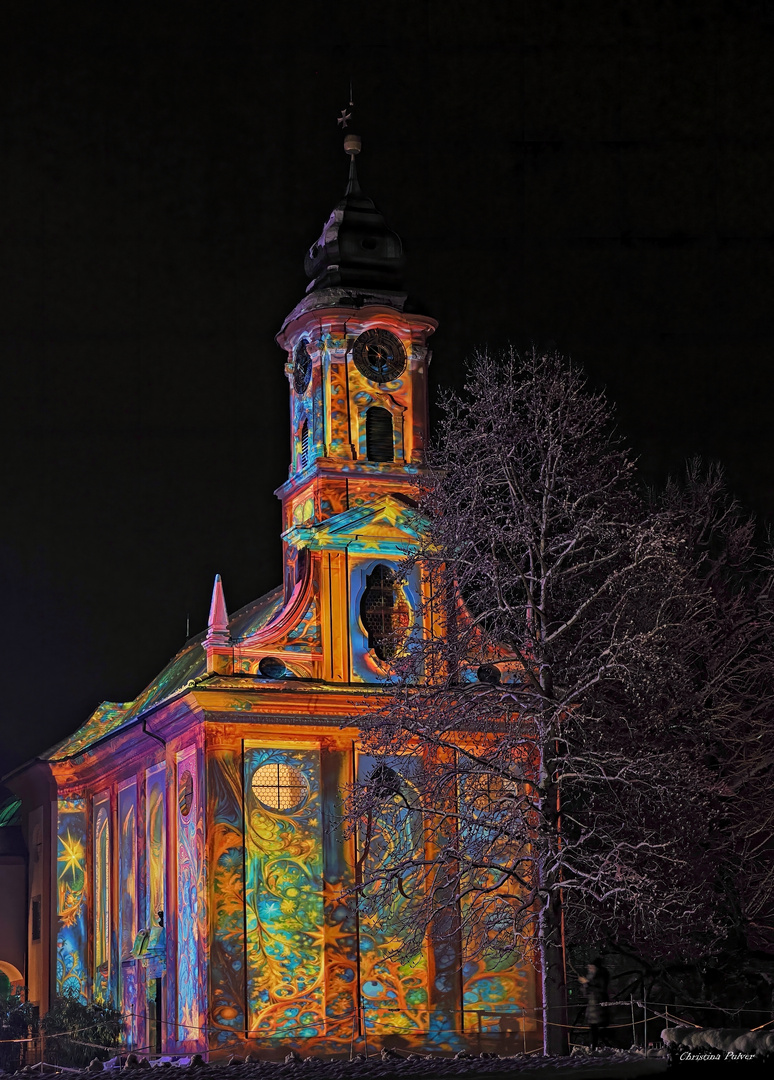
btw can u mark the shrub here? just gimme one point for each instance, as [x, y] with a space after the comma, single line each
[95, 1032]
[18, 1020]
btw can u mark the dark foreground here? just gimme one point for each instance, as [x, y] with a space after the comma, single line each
[607, 1064]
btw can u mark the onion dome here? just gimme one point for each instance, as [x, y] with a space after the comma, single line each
[356, 249]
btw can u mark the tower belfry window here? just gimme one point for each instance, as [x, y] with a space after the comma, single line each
[379, 438]
[304, 455]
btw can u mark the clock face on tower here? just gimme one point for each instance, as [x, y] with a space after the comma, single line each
[379, 356]
[302, 368]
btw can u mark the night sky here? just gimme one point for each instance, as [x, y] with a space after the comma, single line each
[596, 176]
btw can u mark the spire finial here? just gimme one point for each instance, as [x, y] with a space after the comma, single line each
[344, 117]
[352, 144]
[217, 623]
[356, 248]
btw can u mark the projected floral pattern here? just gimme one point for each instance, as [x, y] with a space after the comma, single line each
[284, 893]
[497, 989]
[225, 868]
[395, 991]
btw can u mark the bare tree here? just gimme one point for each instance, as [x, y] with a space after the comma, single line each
[731, 968]
[735, 690]
[542, 734]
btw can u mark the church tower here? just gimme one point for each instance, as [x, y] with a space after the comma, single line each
[357, 366]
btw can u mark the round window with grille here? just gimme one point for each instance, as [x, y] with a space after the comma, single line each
[279, 787]
[379, 356]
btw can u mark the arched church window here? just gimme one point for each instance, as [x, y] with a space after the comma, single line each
[102, 889]
[304, 457]
[384, 613]
[156, 848]
[379, 441]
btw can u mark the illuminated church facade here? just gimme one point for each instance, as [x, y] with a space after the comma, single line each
[188, 856]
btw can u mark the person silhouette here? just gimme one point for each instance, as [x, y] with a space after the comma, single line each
[595, 986]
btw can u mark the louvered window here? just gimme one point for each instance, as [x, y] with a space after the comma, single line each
[379, 434]
[304, 460]
[384, 613]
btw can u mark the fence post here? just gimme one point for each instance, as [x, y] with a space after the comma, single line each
[645, 1014]
[634, 1026]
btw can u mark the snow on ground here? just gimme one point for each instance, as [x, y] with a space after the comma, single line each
[733, 1043]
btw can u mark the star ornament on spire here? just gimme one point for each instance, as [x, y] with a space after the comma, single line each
[345, 116]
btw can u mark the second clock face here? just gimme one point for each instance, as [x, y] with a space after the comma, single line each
[302, 368]
[379, 356]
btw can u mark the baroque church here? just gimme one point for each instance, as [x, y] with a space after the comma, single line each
[186, 856]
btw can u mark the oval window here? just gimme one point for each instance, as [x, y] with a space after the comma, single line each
[302, 368]
[185, 794]
[384, 612]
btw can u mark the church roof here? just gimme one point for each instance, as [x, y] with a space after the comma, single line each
[189, 664]
[357, 248]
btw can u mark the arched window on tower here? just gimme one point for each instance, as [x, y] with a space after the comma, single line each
[303, 460]
[384, 613]
[379, 441]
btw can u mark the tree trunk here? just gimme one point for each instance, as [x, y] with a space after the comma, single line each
[550, 926]
[555, 1031]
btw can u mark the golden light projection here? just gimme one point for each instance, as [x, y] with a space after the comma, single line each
[72, 856]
